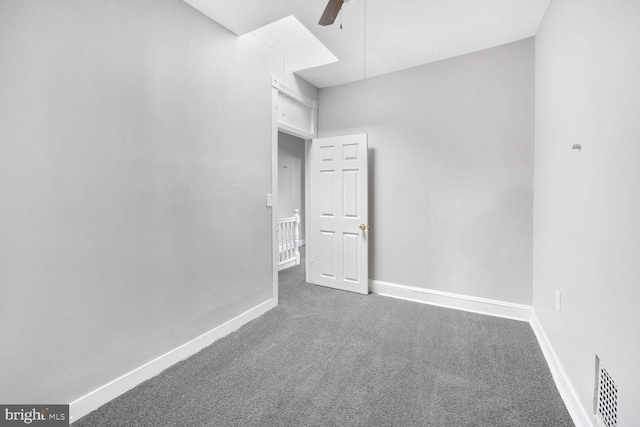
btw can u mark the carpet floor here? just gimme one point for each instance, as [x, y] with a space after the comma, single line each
[330, 358]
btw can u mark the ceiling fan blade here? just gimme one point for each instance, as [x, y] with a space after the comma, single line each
[331, 12]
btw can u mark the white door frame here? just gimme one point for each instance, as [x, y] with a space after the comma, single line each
[279, 90]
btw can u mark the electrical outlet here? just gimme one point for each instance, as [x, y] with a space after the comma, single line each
[558, 300]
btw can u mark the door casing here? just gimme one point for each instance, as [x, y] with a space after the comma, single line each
[278, 91]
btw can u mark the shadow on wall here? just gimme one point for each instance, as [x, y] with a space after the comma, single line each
[371, 184]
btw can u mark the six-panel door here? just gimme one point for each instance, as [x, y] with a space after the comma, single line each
[339, 208]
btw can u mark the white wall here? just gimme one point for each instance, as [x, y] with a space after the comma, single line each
[135, 155]
[451, 170]
[291, 160]
[587, 204]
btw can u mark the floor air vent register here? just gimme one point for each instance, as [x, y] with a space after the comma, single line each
[605, 399]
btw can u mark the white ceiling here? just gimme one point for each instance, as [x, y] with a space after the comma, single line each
[399, 34]
[295, 42]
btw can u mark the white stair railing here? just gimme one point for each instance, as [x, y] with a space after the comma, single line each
[288, 231]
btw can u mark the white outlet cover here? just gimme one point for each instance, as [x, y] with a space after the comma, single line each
[558, 300]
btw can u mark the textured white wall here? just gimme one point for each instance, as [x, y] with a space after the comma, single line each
[451, 170]
[291, 160]
[587, 203]
[135, 155]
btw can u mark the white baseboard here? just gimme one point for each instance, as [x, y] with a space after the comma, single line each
[287, 264]
[456, 301]
[126, 382]
[581, 417]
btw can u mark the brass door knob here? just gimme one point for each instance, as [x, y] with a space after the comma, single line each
[363, 227]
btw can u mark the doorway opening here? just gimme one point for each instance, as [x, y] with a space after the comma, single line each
[335, 217]
[294, 118]
[291, 209]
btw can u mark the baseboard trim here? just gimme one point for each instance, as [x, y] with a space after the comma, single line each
[126, 382]
[285, 265]
[459, 302]
[581, 418]
[579, 414]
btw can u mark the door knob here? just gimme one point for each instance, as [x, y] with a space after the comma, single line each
[363, 227]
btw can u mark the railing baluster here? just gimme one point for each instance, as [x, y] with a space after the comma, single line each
[296, 236]
[288, 238]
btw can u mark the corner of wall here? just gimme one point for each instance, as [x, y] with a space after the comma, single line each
[578, 413]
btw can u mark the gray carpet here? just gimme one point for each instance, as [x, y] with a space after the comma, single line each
[331, 358]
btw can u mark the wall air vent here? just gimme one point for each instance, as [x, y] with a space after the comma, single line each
[606, 397]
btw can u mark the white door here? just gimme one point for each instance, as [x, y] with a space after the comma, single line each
[339, 213]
